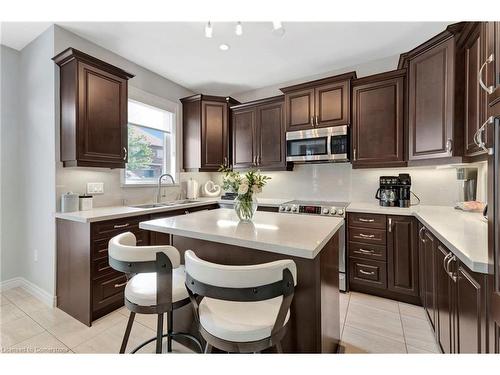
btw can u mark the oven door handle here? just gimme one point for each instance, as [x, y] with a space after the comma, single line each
[329, 145]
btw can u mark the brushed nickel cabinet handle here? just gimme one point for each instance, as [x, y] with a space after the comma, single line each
[420, 234]
[312, 120]
[366, 235]
[116, 226]
[371, 273]
[366, 251]
[260, 160]
[366, 220]
[120, 285]
[488, 89]
[444, 262]
[447, 268]
[390, 224]
[449, 145]
[316, 118]
[354, 153]
[225, 162]
[125, 152]
[478, 136]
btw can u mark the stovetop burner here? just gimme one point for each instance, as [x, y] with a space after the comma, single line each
[325, 208]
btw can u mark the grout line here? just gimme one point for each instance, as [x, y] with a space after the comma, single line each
[402, 327]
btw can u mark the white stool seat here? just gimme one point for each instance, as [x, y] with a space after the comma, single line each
[239, 321]
[141, 289]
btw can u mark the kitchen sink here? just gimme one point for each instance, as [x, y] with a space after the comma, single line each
[149, 205]
[165, 204]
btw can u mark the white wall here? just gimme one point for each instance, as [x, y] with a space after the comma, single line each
[362, 70]
[10, 197]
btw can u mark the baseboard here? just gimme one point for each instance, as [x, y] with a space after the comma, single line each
[33, 289]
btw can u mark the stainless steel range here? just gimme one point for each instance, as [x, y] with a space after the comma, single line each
[323, 208]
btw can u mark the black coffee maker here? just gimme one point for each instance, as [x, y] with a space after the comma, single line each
[394, 191]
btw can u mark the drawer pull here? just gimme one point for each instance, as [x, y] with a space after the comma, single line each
[120, 285]
[366, 220]
[366, 235]
[366, 251]
[116, 226]
[371, 273]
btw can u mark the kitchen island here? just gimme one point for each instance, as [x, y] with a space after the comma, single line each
[311, 242]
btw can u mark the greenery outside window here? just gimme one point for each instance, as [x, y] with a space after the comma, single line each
[151, 144]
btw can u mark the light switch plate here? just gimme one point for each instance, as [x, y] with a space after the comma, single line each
[95, 188]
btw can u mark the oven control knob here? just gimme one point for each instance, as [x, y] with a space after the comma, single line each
[288, 208]
[294, 209]
[340, 211]
[325, 211]
[282, 208]
[333, 211]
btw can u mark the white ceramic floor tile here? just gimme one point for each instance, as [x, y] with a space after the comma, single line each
[374, 301]
[15, 293]
[3, 300]
[42, 343]
[412, 310]
[10, 312]
[413, 350]
[109, 341]
[358, 341]
[374, 320]
[16, 331]
[29, 303]
[419, 334]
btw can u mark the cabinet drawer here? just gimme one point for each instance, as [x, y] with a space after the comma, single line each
[368, 272]
[367, 251]
[107, 292]
[367, 220]
[110, 228]
[367, 235]
[100, 246]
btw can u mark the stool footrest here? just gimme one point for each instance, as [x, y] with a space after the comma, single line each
[173, 335]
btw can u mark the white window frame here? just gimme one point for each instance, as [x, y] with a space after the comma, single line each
[167, 105]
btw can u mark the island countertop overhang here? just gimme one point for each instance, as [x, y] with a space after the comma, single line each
[288, 234]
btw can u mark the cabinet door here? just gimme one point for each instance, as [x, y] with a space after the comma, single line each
[470, 311]
[444, 302]
[214, 135]
[421, 263]
[493, 69]
[271, 142]
[475, 106]
[244, 138]
[299, 110]
[378, 123]
[332, 104]
[429, 279]
[402, 255]
[430, 119]
[102, 118]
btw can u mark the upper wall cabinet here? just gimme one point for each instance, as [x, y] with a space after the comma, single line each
[206, 128]
[435, 107]
[378, 120]
[258, 135]
[492, 67]
[320, 103]
[93, 110]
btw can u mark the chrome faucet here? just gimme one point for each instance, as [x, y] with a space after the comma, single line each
[158, 193]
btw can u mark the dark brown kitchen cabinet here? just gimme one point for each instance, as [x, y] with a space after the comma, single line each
[472, 45]
[430, 245]
[321, 103]
[435, 108]
[206, 132]
[492, 67]
[93, 111]
[258, 135]
[444, 302]
[383, 256]
[402, 255]
[378, 120]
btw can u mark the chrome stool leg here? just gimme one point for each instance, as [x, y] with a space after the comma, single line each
[127, 332]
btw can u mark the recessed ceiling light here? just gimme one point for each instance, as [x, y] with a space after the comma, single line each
[278, 28]
[224, 47]
[239, 29]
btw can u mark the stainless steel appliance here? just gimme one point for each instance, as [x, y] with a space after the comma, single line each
[395, 191]
[325, 208]
[318, 145]
[467, 179]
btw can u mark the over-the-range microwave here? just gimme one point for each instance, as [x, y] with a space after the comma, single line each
[318, 145]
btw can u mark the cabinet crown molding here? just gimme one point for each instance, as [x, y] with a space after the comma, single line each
[211, 98]
[379, 77]
[317, 82]
[70, 54]
[253, 103]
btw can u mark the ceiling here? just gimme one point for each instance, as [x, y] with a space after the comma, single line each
[180, 51]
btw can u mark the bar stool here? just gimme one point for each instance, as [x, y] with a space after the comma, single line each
[242, 309]
[156, 285]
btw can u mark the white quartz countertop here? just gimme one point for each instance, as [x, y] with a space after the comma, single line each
[116, 212]
[263, 202]
[291, 235]
[463, 233]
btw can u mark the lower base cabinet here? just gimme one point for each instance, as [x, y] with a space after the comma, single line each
[455, 299]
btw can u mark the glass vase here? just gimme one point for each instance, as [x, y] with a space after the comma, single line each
[245, 207]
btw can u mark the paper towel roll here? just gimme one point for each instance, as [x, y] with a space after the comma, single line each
[192, 189]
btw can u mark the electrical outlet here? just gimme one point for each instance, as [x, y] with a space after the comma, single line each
[95, 188]
[35, 255]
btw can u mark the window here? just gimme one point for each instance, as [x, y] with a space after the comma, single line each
[151, 143]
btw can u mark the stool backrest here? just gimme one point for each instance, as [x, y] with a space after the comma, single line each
[239, 283]
[125, 256]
